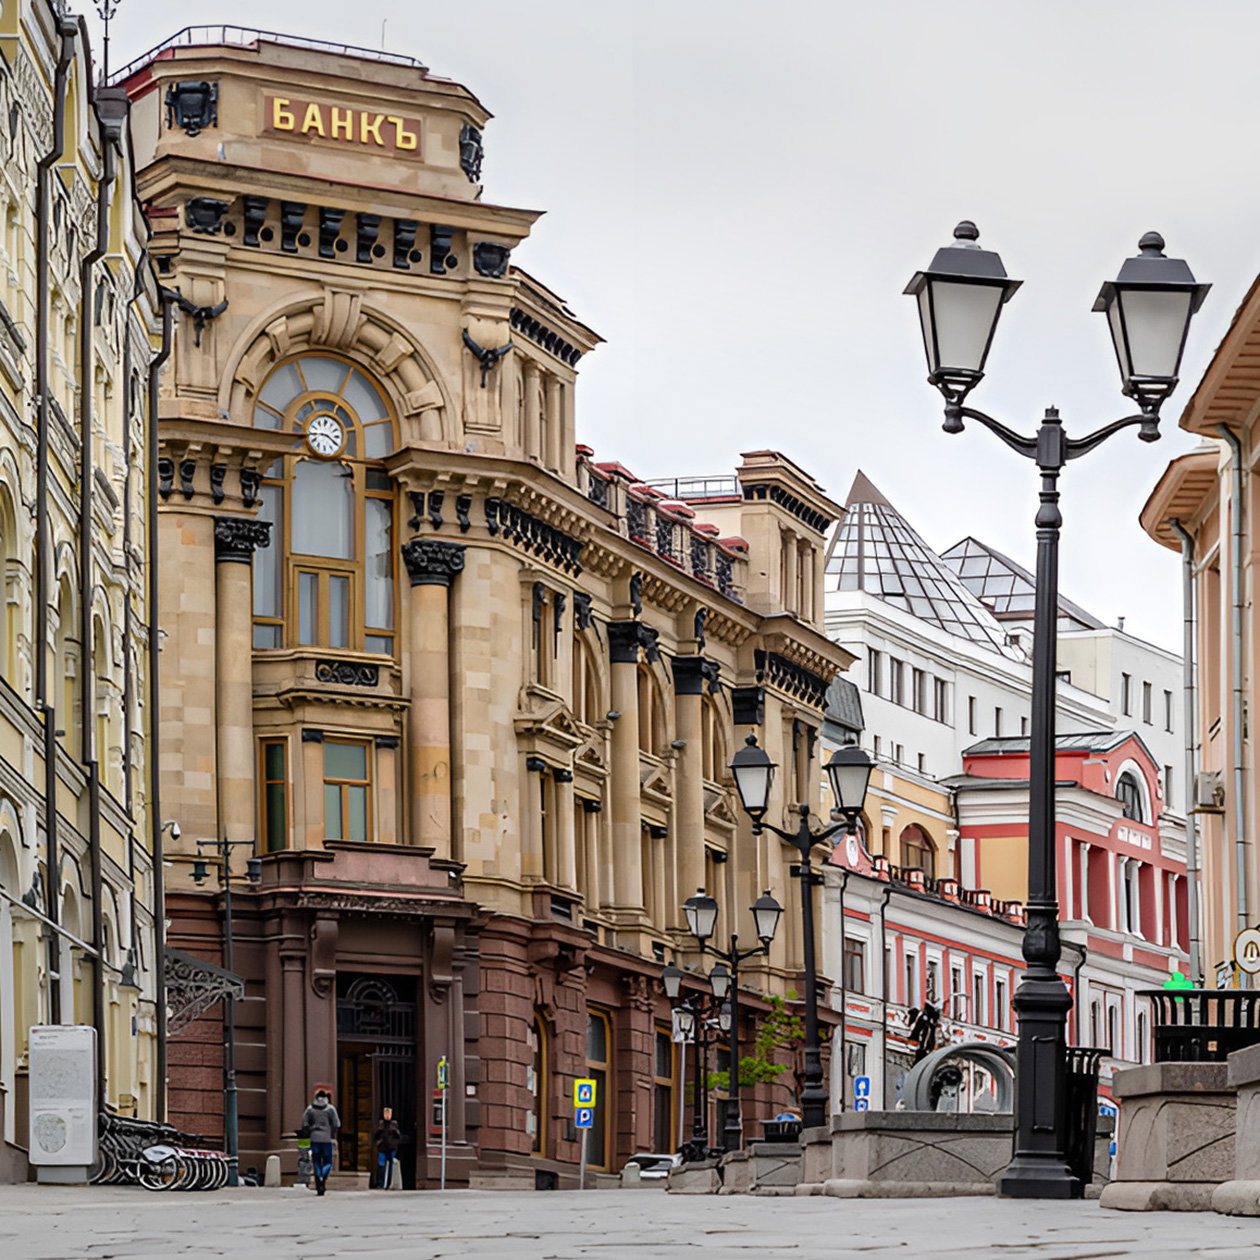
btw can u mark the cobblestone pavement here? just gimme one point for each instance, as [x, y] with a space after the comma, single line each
[45, 1223]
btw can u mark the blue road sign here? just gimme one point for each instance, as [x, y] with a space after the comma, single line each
[584, 1118]
[861, 1087]
[862, 1104]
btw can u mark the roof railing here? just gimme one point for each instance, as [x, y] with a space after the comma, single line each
[244, 36]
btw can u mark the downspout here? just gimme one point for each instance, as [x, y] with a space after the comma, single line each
[88, 752]
[883, 996]
[1236, 648]
[67, 29]
[155, 803]
[129, 679]
[1082, 953]
[1188, 689]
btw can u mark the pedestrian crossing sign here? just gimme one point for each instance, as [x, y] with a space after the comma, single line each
[584, 1093]
[585, 1118]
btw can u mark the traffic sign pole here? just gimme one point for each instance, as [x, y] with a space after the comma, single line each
[443, 1081]
[583, 1118]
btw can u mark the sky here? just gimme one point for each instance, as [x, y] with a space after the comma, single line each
[737, 192]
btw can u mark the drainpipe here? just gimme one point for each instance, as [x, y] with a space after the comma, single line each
[89, 754]
[1188, 689]
[155, 804]
[129, 680]
[1241, 846]
[67, 29]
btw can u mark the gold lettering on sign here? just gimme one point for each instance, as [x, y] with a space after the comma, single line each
[343, 125]
[314, 120]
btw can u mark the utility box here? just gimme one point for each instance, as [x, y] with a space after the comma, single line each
[63, 1103]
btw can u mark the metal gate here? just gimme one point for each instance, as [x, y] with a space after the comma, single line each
[376, 1052]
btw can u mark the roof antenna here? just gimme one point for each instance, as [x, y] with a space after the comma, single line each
[383, 21]
[1120, 624]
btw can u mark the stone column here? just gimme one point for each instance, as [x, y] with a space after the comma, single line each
[555, 425]
[689, 679]
[623, 645]
[533, 420]
[235, 538]
[565, 830]
[431, 566]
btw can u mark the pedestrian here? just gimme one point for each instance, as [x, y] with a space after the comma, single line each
[388, 1139]
[322, 1123]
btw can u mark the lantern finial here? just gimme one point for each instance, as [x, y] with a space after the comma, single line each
[1152, 245]
[967, 231]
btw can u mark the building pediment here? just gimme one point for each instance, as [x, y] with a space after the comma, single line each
[544, 722]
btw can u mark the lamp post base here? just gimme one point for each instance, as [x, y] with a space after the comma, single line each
[1034, 1177]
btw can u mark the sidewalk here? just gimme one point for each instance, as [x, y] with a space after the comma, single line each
[103, 1224]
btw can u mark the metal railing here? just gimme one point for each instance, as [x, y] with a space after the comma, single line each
[685, 488]
[243, 36]
[1203, 1025]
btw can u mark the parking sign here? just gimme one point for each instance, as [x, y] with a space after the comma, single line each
[584, 1093]
[861, 1104]
[584, 1118]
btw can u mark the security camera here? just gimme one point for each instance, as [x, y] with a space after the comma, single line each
[173, 828]
[613, 715]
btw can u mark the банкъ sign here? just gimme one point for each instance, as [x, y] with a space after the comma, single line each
[363, 128]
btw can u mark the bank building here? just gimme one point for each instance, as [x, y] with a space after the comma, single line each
[455, 694]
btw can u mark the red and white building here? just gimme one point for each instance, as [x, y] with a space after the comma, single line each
[1122, 871]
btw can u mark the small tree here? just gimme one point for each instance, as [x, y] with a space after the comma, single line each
[780, 1032]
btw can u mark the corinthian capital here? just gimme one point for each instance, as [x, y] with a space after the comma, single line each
[432, 563]
[235, 538]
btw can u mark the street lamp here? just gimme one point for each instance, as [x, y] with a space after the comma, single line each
[1148, 307]
[849, 771]
[693, 1017]
[221, 859]
[701, 912]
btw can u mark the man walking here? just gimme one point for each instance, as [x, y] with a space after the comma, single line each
[322, 1123]
[388, 1139]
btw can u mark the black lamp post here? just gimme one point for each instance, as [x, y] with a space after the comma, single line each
[701, 912]
[222, 860]
[1148, 307]
[849, 771]
[695, 1016]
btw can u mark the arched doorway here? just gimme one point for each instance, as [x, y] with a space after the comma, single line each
[376, 1067]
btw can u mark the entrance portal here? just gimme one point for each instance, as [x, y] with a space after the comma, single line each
[376, 1068]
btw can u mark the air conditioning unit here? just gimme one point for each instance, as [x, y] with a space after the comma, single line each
[1209, 792]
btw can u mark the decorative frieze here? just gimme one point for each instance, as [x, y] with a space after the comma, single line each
[536, 536]
[541, 335]
[193, 105]
[795, 679]
[347, 673]
[802, 511]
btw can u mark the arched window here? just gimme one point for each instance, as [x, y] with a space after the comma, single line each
[651, 714]
[538, 1085]
[586, 706]
[1129, 794]
[327, 578]
[917, 850]
[713, 746]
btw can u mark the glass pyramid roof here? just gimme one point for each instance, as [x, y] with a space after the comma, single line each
[875, 550]
[1006, 588]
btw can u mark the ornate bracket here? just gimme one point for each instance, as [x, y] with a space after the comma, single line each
[193, 986]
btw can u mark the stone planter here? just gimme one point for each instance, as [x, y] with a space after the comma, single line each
[1241, 1195]
[1176, 1137]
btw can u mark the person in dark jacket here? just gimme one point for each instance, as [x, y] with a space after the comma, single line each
[322, 1122]
[388, 1138]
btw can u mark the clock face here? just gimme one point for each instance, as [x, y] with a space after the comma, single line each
[324, 435]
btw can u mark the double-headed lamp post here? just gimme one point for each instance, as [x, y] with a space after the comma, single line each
[849, 771]
[702, 912]
[221, 850]
[694, 1016]
[1148, 307]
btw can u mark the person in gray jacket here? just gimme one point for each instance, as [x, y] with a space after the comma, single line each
[322, 1124]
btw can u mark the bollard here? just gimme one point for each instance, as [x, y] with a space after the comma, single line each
[271, 1177]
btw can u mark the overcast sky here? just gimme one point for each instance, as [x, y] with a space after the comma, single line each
[737, 192]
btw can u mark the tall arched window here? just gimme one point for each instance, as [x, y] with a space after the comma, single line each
[538, 1085]
[327, 579]
[1129, 794]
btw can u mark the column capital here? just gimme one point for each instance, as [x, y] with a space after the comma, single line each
[625, 638]
[432, 563]
[236, 537]
[693, 673]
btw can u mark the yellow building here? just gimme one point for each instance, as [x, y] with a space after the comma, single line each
[78, 883]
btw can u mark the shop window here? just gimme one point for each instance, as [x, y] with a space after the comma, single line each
[347, 791]
[664, 1129]
[275, 795]
[327, 577]
[599, 1069]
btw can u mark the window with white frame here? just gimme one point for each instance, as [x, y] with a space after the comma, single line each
[979, 1004]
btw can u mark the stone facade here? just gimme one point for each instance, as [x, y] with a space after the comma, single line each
[472, 698]
[79, 932]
